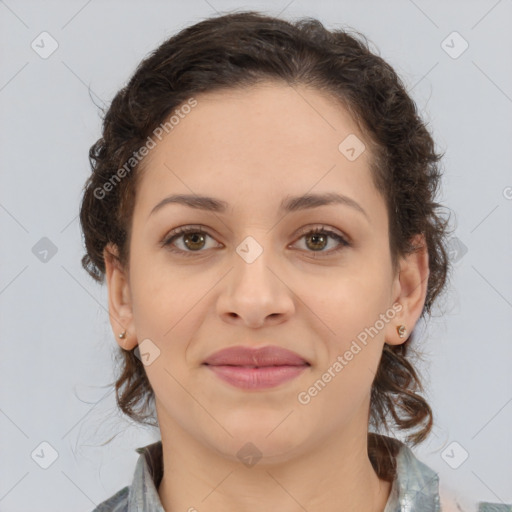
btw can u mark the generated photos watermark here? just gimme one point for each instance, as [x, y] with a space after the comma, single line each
[137, 156]
[305, 397]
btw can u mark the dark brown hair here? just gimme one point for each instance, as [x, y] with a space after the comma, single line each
[238, 50]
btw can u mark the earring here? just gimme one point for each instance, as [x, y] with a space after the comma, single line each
[402, 331]
[122, 335]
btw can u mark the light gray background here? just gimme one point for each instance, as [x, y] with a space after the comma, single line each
[57, 343]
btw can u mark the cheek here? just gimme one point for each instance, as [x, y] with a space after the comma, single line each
[168, 308]
[353, 330]
[354, 301]
[349, 354]
[161, 293]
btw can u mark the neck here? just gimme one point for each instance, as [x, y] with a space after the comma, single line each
[324, 477]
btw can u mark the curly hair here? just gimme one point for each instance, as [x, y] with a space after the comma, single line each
[241, 49]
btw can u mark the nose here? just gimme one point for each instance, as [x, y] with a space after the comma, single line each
[255, 292]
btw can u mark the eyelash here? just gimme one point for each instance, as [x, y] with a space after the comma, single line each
[173, 235]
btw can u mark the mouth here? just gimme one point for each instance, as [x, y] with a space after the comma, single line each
[253, 369]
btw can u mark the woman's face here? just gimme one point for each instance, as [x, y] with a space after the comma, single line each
[257, 276]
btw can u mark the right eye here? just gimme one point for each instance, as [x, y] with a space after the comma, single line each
[194, 236]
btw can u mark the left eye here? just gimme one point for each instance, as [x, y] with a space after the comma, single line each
[319, 236]
[194, 240]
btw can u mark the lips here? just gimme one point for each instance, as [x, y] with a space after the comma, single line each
[257, 369]
[255, 357]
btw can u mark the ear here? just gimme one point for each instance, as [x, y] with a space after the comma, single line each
[119, 298]
[410, 290]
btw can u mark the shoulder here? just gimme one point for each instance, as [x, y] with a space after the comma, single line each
[116, 503]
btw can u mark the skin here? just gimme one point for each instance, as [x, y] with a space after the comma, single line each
[252, 148]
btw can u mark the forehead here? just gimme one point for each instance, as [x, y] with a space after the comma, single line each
[261, 142]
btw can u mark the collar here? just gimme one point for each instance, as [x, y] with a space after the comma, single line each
[143, 493]
[416, 486]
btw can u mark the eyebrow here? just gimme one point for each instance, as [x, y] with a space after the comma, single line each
[289, 204]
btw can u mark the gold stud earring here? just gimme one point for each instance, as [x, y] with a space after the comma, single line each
[122, 335]
[402, 331]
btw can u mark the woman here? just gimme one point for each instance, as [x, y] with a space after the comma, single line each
[262, 207]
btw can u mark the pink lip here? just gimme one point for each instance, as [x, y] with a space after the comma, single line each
[257, 378]
[264, 356]
[260, 368]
